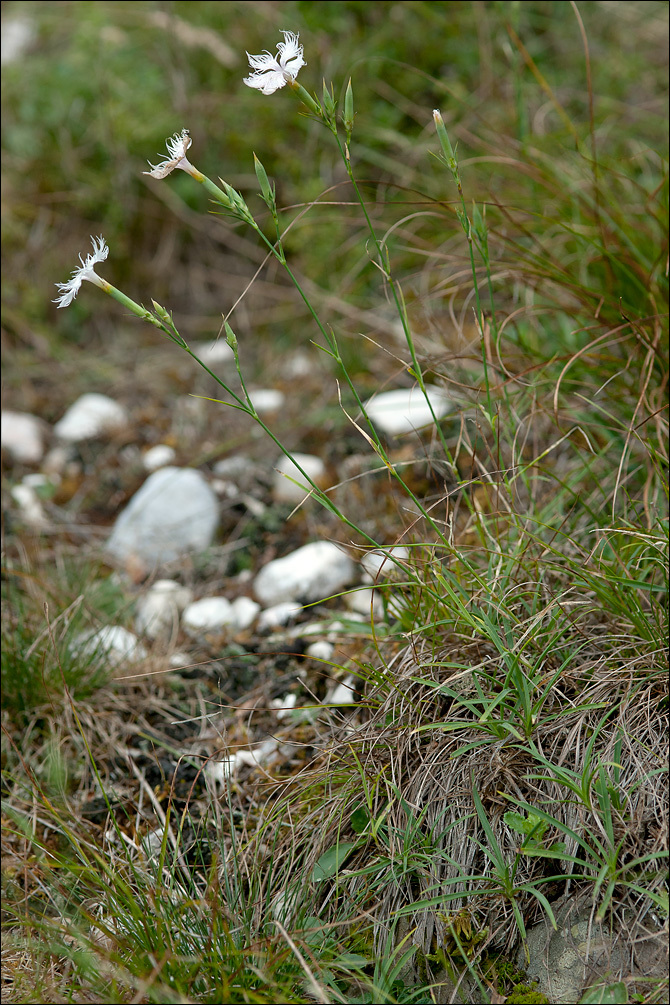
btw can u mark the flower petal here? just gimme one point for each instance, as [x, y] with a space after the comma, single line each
[271, 73]
[264, 61]
[70, 289]
[267, 82]
[289, 49]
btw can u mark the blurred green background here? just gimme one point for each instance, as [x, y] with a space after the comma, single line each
[91, 91]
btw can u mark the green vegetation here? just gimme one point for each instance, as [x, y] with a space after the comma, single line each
[506, 756]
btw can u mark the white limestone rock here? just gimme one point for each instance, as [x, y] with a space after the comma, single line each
[211, 614]
[267, 399]
[406, 409]
[285, 706]
[18, 34]
[21, 436]
[343, 693]
[30, 507]
[158, 610]
[278, 615]
[213, 353]
[90, 416]
[173, 513]
[117, 643]
[321, 651]
[380, 565]
[158, 457]
[234, 467]
[244, 612]
[363, 601]
[289, 485]
[313, 572]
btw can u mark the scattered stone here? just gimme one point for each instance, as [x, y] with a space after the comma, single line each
[313, 572]
[363, 600]
[152, 842]
[583, 953]
[334, 629]
[248, 477]
[59, 459]
[117, 643]
[244, 612]
[158, 611]
[21, 436]
[210, 353]
[343, 693]
[211, 614]
[267, 399]
[298, 364]
[406, 409]
[278, 616]
[18, 34]
[214, 614]
[43, 484]
[233, 467]
[321, 651]
[285, 706]
[175, 512]
[30, 507]
[379, 565]
[90, 416]
[225, 489]
[221, 771]
[158, 457]
[255, 506]
[289, 485]
[180, 661]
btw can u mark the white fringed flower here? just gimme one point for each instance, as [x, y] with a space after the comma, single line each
[272, 72]
[177, 146]
[71, 288]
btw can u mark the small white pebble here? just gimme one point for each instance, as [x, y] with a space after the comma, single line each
[224, 488]
[217, 351]
[159, 609]
[284, 705]
[278, 616]
[90, 416]
[29, 505]
[158, 456]
[39, 481]
[320, 651]
[180, 661]
[21, 435]
[117, 643]
[57, 460]
[207, 615]
[343, 693]
[267, 399]
[406, 409]
[360, 602]
[233, 467]
[289, 484]
[380, 564]
[244, 612]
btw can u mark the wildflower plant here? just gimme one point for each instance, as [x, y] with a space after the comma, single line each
[270, 73]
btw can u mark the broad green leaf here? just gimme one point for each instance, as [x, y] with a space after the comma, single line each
[359, 820]
[332, 860]
[606, 994]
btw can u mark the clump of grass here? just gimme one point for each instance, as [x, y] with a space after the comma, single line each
[43, 619]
